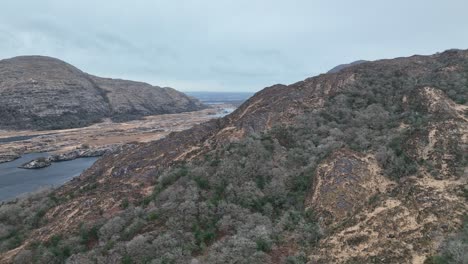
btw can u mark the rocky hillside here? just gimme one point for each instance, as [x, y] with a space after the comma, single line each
[366, 165]
[45, 93]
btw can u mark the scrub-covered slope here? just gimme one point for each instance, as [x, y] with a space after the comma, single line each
[367, 165]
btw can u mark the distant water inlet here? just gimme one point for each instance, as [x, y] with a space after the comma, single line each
[15, 181]
[225, 112]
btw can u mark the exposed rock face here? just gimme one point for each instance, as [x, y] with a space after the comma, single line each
[344, 184]
[129, 99]
[38, 163]
[84, 153]
[45, 93]
[404, 224]
[440, 143]
[43, 162]
[9, 157]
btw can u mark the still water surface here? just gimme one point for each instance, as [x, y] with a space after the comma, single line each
[15, 181]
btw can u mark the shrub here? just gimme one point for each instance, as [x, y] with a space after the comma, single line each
[132, 229]
[89, 236]
[437, 260]
[152, 216]
[125, 203]
[202, 182]
[14, 240]
[168, 179]
[42, 159]
[111, 227]
[203, 235]
[263, 245]
[396, 162]
[127, 260]
[85, 146]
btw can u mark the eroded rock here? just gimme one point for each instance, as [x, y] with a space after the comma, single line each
[343, 184]
[43, 162]
[9, 157]
[38, 163]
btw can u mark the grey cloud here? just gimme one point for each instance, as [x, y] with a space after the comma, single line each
[227, 45]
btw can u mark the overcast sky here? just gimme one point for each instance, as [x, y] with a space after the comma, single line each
[221, 45]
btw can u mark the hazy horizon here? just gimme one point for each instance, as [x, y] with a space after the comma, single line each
[240, 46]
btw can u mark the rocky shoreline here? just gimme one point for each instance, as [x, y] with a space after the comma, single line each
[9, 157]
[69, 144]
[43, 162]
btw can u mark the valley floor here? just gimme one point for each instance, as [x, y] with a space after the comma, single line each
[13, 144]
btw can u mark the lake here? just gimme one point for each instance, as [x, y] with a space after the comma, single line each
[15, 181]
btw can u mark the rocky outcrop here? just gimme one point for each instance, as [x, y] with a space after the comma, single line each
[84, 153]
[343, 185]
[128, 99]
[45, 93]
[404, 224]
[43, 162]
[9, 157]
[38, 163]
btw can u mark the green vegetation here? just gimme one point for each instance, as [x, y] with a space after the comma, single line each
[152, 216]
[59, 251]
[244, 201]
[263, 245]
[89, 235]
[202, 183]
[204, 234]
[127, 260]
[125, 203]
[454, 250]
[19, 218]
[169, 179]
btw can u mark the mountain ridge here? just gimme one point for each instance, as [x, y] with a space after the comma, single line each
[366, 165]
[40, 92]
[344, 66]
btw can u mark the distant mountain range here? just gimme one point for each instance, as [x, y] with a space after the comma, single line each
[38, 92]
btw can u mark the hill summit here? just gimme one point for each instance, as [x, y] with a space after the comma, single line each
[38, 92]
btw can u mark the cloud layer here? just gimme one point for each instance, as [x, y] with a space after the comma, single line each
[224, 45]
